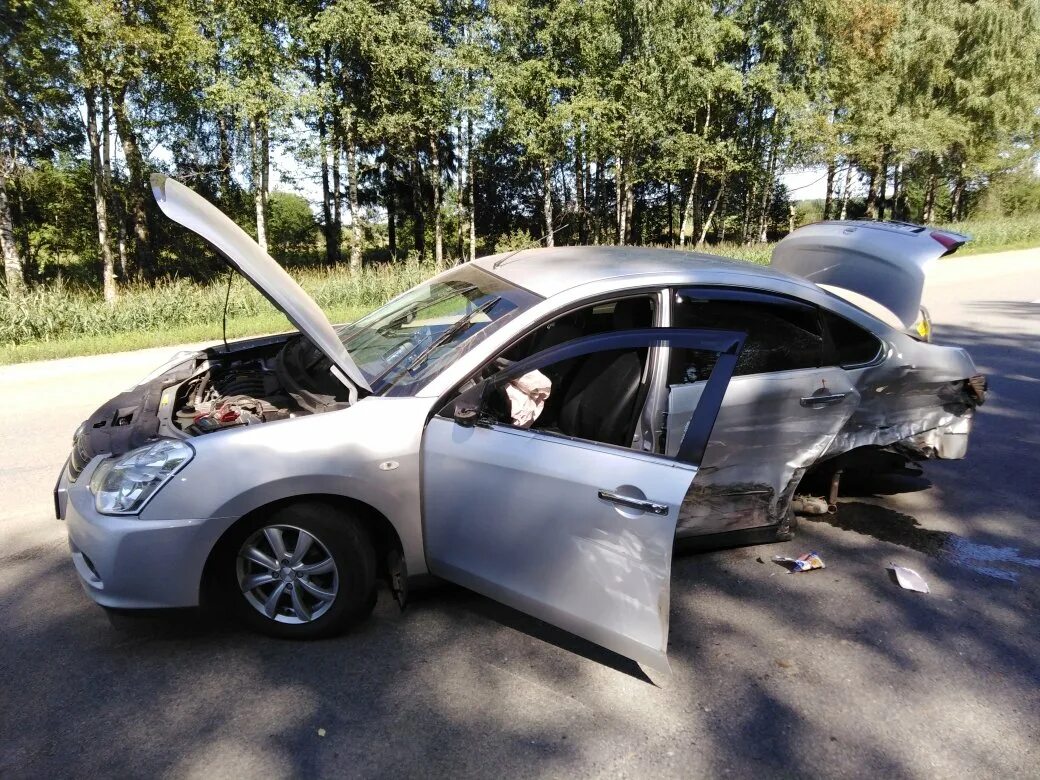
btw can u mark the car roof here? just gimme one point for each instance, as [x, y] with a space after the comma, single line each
[550, 271]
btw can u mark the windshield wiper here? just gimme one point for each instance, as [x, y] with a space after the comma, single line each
[449, 334]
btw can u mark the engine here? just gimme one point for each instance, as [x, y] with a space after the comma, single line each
[241, 393]
[256, 386]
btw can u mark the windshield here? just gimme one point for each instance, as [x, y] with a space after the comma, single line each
[410, 340]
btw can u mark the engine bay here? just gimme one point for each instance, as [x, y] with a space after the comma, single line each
[238, 393]
[257, 381]
[254, 386]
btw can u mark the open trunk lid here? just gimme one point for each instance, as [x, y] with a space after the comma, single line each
[883, 261]
[194, 212]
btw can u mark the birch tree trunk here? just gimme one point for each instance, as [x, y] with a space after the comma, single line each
[328, 228]
[694, 179]
[846, 190]
[108, 268]
[711, 213]
[224, 153]
[470, 185]
[13, 269]
[600, 217]
[460, 210]
[579, 190]
[137, 206]
[629, 232]
[352, 195]
[265, 167]
[687, 220]
[547, 209]
[928, 209]
[418, 210]
[438, 226]
[957, 196]
[828, 201]
[883, 183]
[671, 216]
[114, 202]
[390, 200]
[337, 191]
[767, 194]
[897, 190]
[619, 199]
[256, 174]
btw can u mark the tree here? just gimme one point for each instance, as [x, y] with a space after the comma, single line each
[37, 114]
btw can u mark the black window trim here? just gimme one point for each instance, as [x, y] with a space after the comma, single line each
[751, 295]
[831, 352]
[729, 344]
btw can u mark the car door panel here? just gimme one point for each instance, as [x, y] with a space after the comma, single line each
[768, 432]
[574, 532]
[568, 556]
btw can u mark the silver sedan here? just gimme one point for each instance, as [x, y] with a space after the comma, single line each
[539, 427]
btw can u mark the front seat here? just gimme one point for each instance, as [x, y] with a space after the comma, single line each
[599, 402]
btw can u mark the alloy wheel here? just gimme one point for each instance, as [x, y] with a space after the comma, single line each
[287, 574]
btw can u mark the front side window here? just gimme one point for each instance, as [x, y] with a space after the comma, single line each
[596, 397]
[406, 343]
[780, 336]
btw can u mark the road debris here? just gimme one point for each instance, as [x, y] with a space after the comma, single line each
[806, 562]
[909, 579]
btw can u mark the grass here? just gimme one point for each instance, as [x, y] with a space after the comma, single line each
[189, 333]
[62, 321]
[998, 234]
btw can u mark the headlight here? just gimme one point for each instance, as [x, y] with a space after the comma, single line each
[121, 486]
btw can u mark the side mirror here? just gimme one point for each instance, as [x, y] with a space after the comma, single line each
[466, 411]
[466, 416]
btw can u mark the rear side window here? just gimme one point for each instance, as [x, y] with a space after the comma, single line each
[851, 345]
[780, 337]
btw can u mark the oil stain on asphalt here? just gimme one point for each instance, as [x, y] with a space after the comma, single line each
[887, 525]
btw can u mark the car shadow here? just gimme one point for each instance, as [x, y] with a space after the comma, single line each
[836, 671]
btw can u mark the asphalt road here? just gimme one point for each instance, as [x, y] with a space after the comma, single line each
[835, 673]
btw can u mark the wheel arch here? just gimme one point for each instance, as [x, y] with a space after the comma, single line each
[384, 536]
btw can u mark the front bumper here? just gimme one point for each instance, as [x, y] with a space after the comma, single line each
[129, 563]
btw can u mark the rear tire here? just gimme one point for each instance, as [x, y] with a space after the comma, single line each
[302, 571]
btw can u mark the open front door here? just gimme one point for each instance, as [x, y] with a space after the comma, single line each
[575, 532]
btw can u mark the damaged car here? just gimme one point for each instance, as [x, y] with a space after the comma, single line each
[539, 426]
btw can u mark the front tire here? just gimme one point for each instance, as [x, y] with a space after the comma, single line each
[302, 571]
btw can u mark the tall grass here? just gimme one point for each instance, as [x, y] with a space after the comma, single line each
[59, 312]
[995, 233]
[179, 310]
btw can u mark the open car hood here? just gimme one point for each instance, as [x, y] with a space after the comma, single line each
[883, 261]
[194, 212]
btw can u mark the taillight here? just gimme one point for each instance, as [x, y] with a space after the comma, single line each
[949, 242]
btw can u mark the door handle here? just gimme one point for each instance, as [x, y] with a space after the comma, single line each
[634, 503]
[823, 400]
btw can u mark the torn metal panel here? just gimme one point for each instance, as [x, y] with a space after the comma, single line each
[925, 389]
[770, 429]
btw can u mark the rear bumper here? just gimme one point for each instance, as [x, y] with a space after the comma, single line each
[126, 562]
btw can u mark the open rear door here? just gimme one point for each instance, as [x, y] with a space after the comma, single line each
[574, 532]
[883, 261]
